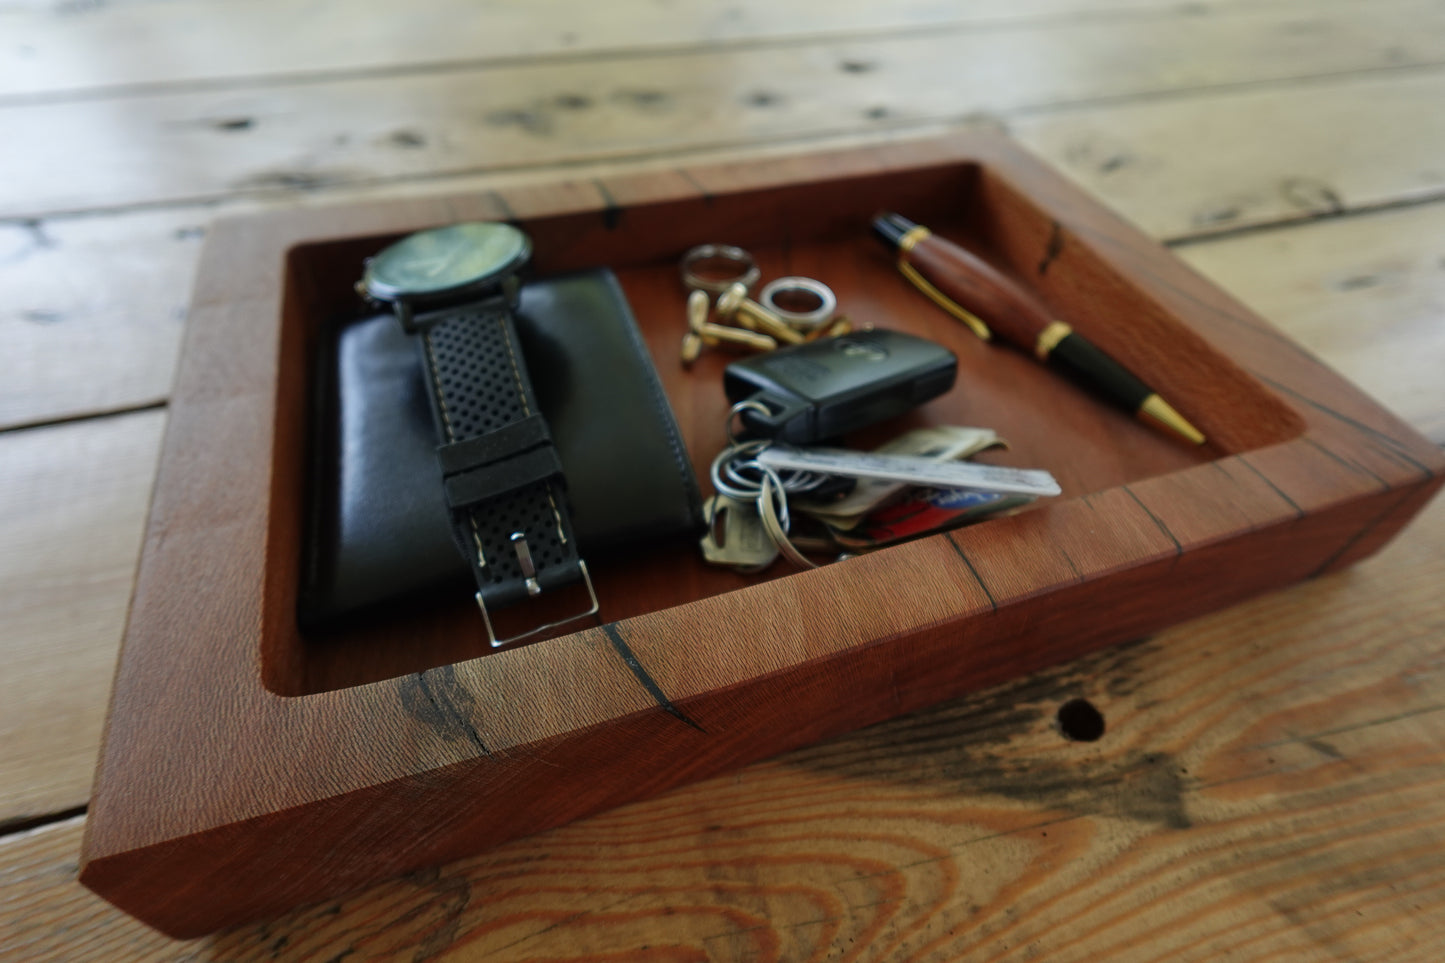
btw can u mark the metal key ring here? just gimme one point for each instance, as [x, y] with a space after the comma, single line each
[728, 473]
[777, 494]
[777, 526]
[827, 301]
[747, 273]
[723, 460]
[739, 408]
[735, 469]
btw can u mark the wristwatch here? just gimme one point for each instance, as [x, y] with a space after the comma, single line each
[455, 289]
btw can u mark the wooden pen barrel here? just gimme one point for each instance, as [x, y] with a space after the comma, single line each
[1014, 314]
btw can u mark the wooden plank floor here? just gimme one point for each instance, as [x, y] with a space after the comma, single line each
[1270, 783]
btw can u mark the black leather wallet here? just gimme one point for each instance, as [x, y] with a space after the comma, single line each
[378, 529]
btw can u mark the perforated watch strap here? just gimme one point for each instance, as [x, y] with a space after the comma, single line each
[503, 476]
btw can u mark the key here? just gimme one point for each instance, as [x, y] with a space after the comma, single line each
[735, 535]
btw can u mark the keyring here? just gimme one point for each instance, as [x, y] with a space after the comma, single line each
[810, 290]
[736, 410]
[727, 469]
[777, 525]
[748, 491]
[727, 257]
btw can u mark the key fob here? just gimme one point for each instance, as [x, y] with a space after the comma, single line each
[829, 387]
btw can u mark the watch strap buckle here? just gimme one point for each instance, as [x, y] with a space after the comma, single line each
[593, 609]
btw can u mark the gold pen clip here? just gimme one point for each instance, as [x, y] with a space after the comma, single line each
[905, 244]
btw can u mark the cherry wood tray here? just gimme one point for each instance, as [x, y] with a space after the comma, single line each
[248, 768]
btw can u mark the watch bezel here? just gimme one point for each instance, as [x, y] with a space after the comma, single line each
[378, 289]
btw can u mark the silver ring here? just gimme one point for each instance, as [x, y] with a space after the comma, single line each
[827, 302]
[747, 404]
[746, 268]
[722, 465]
[778, 495]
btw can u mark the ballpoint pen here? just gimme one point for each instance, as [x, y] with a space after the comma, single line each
[971, 290]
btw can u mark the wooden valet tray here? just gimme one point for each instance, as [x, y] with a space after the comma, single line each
[248, 768]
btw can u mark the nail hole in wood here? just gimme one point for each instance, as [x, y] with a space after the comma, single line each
[1079, 721]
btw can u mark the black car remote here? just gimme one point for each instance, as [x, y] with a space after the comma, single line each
[825, 388]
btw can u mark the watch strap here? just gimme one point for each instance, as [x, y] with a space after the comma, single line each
[506, 493]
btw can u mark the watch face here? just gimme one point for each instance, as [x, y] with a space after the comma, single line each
[446, 259]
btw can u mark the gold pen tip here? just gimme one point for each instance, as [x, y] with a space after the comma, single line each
[1159, 411]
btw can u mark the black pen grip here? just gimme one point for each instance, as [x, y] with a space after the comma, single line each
[1085, 364]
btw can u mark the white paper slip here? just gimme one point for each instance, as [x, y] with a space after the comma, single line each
[911, 469]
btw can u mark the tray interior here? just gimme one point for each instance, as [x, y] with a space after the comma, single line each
[819, 229]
